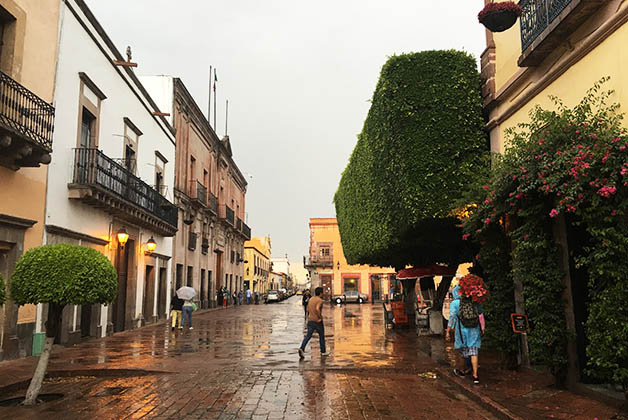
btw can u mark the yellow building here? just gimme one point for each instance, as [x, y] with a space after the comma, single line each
[28, 59]
[328, 267]
[257, 264]
[558, 48]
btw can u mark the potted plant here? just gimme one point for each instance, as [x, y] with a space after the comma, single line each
[497, 17]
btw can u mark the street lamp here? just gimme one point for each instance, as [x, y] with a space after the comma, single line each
[123, 236]
[151, 245]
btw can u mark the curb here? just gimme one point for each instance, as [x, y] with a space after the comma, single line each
[473, 393]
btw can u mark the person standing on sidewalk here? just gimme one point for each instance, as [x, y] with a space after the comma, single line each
[176, 306]
[315, 323]
[306, 298]
[248, 296]
[188, 308]
[467, 340]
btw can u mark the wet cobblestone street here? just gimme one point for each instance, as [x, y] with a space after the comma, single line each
[241, 363]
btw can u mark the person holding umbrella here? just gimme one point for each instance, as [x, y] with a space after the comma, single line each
[187, 294]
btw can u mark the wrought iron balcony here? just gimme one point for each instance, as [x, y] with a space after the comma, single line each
[319, 261]
[100, 181]
[213, 203]
[246, 231]
[238, 225]
[227, 214]
[547, 23]
[26, 126]
[199, 192]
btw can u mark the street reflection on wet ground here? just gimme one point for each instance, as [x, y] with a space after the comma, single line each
[242, 363]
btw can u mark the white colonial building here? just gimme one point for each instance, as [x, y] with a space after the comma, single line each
[111, 177]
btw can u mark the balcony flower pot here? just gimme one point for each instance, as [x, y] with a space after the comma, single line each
[497, 17]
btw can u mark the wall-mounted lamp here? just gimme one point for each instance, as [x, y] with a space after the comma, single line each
[123, 236]
[151, 245]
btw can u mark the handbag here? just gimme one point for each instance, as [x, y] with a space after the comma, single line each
[194, 307]
[482, 322]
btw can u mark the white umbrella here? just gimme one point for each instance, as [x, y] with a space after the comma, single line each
[186, 293]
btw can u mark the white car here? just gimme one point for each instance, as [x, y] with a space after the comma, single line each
[272, 296]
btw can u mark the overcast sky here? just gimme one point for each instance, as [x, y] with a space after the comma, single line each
[298, 76]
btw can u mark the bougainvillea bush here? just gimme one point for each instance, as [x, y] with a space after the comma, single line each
[569, 164]
[472, 286]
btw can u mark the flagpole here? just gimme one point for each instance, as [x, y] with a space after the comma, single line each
[209, 102]
[215, 99]
[226, 116]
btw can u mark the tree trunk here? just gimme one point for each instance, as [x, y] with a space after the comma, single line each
[560, 237]
[54, 321]
[409, 285]
[441, 292]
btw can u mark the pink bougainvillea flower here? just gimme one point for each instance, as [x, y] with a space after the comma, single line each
[553, 213]
[485, 187]
[614, 213]
[487, 221]
[465, 236]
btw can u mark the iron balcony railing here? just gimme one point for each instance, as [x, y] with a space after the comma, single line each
[537, 16]
[92, 167]
[25, 113]
[246, 231]
[213, 203]
[201, 193]
[227, 214]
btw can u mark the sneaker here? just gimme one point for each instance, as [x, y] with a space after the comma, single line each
[458, 372]
[180, 328]
[476, 380]
[301, 354]
[191, 328]
[327, 353]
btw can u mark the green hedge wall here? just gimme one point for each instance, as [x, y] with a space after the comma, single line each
[2, 293]
[63, 274]
[422, 145]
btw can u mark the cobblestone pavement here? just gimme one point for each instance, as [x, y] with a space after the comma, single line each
[241, 363]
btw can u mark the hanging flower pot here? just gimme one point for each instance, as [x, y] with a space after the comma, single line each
[497, 17]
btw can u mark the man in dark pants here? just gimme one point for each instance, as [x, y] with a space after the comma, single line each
[315, 323]
[306, 299]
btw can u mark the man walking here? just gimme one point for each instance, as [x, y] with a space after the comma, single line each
[306, 299]
[248, 296]
[315, 323]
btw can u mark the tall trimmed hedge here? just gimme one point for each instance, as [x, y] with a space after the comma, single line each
[2, 293]
[421, 147]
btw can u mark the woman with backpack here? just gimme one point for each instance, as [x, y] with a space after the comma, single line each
[464, 323]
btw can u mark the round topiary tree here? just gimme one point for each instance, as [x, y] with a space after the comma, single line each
[60, 275]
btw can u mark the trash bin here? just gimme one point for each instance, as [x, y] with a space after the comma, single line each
[38, 343]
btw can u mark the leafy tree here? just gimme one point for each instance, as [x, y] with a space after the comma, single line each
[422, 145]
[60, 275]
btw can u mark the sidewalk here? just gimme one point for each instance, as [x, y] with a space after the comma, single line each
[517, 395]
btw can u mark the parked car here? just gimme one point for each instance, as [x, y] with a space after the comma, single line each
[350, 296]
[299, 292]
[272, 296]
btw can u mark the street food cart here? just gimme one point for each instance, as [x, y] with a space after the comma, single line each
[425, 317]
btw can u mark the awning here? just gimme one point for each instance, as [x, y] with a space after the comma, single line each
[431, 270]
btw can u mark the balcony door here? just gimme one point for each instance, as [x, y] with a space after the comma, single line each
[123, 264]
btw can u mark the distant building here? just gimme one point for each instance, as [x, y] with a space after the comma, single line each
[281, 265]
[257, 264]
[210, 194]
[327, 266]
